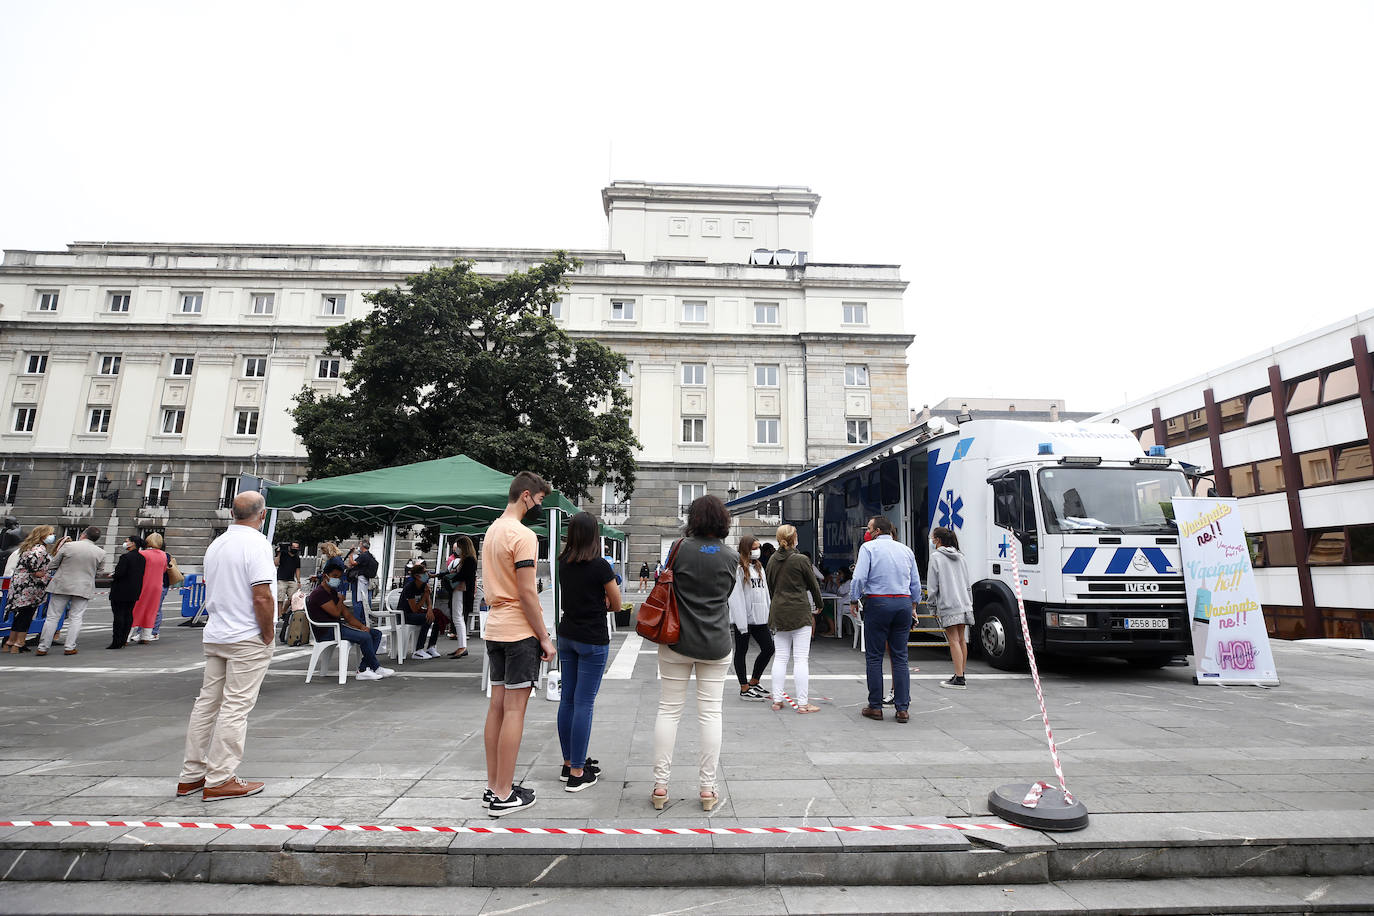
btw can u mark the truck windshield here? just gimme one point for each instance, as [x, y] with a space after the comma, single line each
[1115, 499]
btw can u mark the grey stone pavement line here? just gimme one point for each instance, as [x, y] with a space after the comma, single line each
[106, 743]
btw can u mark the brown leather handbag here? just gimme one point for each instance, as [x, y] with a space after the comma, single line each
[658, 619]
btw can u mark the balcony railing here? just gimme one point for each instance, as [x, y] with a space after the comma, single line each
[226, 502]
[615, 509]
[78, 499]
[156, 500]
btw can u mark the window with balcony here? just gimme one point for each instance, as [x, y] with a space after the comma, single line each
[693, 430]
[622, 310]
[24, 418]
[613, 502]
[173, 419]
[36, 364]
[765, 313]
[228, 489]
[157, 491]
[47, 300]
[118, 302]
[693, 311]
[9, 488]
[327, 368]
[855, 313]
[109, 364]
[81, 490]
[183, 366]
[99, 420]
[766, 431]
[856, 432]
[246, 423]
[255, 367]
[686, 494]
[765, 376]
[192, 303]
[856, 375]
[264, 303]
[694, 373]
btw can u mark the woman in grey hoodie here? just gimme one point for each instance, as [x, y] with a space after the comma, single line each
[948, 591]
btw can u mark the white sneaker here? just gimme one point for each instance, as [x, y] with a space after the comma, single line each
[419, 653]
[385, 672]
[153, 637]
[366, 675]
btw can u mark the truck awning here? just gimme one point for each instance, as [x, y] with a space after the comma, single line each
[817, 477]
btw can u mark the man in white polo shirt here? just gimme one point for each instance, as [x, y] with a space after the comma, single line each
[239, 575]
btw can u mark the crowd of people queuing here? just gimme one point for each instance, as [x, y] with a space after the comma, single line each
[728, 599]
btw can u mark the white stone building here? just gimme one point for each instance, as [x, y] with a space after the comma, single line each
[1287, 432]
[140, 380]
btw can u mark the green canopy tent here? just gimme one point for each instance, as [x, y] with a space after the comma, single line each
[607, 532]
[446, 491]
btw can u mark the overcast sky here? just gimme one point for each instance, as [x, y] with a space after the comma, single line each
[1090, 200]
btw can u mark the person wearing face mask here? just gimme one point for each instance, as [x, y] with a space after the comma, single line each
[150, 598]
[749, 618]
[948, 591]
[125, 586]
[288, 560]
[417, 603]
[327, 605]
[71, 586]
[28, 585]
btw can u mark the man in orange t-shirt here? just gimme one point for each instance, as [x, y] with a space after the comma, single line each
[516, 637]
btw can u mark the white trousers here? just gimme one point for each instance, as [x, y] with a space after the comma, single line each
[674, 670]
[794, 646]
[219, 720]
[76, 613]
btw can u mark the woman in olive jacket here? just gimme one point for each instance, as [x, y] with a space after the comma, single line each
[790, 579]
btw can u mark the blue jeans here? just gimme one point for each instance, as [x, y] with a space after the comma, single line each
[157, 624]
[582, 665]
[367, 642]
[887, 627]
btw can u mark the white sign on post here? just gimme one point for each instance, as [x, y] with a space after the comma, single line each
[1222, 590]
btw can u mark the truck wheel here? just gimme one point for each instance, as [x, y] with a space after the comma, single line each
[1000, 638]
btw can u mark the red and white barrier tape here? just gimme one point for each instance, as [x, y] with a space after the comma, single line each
[793, 703]
[1033, 797]
[520, 831]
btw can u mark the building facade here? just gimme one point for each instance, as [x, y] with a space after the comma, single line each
[1287, 432]
[141, 381]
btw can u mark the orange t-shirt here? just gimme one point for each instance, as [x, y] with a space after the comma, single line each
[507, 543]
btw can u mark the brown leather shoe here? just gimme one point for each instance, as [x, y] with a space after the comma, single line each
[868, 712]
[231, 788]
[186, 788]
[69, 651]
[903, 716]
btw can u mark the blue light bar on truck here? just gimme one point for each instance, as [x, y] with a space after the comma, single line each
[1045, 448]
[1156, 451]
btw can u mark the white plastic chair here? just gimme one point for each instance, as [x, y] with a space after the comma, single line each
[856, 619]
[318, 648]
[403, 634]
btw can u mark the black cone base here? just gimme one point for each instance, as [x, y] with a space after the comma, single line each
[1052, 812]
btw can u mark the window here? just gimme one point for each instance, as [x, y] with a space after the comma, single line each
[1339, 385]
[556, 309]
[1353, 463]
[1013, 506]
[37, 364]
[1175, 430]
[766, 432]
[613, 502]
[1327, 548]
[1270, 476]
[856, 313]
[9, 488]
[1243, 480]
[228, 489]
[694, 430]
[47, 300]
[1261, 407]
[158, 489]
[182, 365]
[246, 423]
[627, 377]
[109, 364]
[99, 421]
[622, 310]
[765, 376]
[693, 311]
[327, 368]
[118, 302]
[1274, 548]
[172, 421]
[264, 303]
[191, 303]
[333, 305]
[1316, 467]
[765, 313]
[687, 493]
[1361, 543]
[856, 376]
[24, 418]
[81, 490]
[1302, 394]
[694, 373]
[856, 432]
[1232, 412]
[255, 367]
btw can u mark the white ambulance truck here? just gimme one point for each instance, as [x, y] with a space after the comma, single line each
[1091, 517]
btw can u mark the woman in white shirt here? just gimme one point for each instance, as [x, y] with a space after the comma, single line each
[749, 618]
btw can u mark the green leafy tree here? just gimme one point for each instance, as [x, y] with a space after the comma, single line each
[458, 363]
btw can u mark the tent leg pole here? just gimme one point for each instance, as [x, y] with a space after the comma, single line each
[553, 579]
[271, 526]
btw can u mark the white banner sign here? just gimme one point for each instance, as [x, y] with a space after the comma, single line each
[1222, 592]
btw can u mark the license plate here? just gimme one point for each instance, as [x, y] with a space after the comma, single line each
[1147, 623]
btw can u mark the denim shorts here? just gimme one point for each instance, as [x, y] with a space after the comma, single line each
[514, 664]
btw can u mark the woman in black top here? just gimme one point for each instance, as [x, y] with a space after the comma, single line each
[125, 586]
[463, 580]
[589, 590]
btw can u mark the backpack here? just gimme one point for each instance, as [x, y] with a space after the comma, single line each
[295, 629]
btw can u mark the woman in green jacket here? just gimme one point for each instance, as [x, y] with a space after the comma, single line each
[790, 579]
